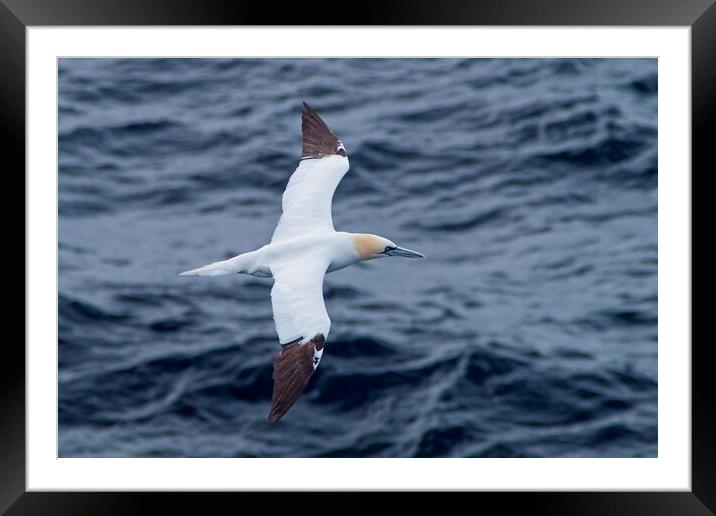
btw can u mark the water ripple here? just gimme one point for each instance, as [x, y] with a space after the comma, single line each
[529, 331]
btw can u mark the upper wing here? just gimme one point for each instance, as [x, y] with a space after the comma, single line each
[309, 193]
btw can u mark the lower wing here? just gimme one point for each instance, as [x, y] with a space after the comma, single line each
[302, 324]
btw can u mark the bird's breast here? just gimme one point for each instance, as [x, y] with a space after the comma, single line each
[341, 261]
[332, 248]
[337, 265]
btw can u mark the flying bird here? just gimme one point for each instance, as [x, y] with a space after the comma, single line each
[304, 247]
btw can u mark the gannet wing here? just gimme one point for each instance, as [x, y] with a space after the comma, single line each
[293, 367]
[309, 194]
[302, 324]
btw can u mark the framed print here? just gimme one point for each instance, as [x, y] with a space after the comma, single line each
[535, 164]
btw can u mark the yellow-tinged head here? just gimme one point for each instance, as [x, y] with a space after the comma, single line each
[369, 247]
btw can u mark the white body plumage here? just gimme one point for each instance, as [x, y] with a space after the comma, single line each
[303, 248]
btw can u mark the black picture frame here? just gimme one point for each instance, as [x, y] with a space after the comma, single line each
[17, 15]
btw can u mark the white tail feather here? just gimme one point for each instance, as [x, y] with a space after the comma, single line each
[229, 266]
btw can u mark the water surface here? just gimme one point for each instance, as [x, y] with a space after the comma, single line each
[529, 331]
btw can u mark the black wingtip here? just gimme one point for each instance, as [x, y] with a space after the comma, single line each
[318, 139]
[293, 367]
[309, 111]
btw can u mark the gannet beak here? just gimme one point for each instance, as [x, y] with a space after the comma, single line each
[407, 253]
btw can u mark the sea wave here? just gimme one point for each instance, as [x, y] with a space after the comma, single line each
[529, 331]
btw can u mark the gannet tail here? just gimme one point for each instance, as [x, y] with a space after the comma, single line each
[230, 266]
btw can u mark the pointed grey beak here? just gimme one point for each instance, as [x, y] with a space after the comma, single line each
[407, 253]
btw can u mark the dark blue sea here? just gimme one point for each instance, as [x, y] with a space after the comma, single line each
[530, 330]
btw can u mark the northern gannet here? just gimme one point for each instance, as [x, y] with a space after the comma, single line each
[304, 247]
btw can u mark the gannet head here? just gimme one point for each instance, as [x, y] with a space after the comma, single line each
[369, 247]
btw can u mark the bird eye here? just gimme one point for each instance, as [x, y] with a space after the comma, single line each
[388, 248]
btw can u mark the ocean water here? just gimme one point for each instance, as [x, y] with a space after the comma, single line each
[530, 330]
